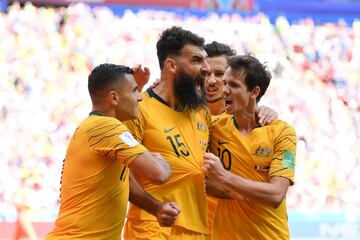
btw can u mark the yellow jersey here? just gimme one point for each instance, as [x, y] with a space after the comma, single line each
[182, 139]
[266, 152]
[212, 201]
[95, 181]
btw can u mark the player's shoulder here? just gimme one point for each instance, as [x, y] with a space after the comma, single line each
[279, 123]
[146, 95]
[203, 111]
[144, 107]
[145, 98]
[148, 102]
[222, 119]
[280, 126]
[98, 122]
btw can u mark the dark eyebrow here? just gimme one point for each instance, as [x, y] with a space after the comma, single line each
[197, 57]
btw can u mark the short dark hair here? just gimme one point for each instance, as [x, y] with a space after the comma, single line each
[216, 49]
[172, 41]
[256, 73]
[105, 75]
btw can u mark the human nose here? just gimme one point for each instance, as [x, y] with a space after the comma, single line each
[205, 68]
[226, 90]
[212, 79]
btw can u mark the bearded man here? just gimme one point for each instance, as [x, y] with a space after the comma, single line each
[174, 121]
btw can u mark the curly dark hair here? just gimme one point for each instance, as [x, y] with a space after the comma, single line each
[172, 41]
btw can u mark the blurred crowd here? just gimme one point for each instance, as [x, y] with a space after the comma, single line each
[46, 55]
[242, 5]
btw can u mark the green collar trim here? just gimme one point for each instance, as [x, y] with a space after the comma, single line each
[95, 113]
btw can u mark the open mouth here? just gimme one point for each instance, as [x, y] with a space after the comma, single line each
[228, 103]
[211, 90]
[199, 84]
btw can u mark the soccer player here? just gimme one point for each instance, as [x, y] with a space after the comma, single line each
[95, 175]
[173, 120]
[217, 58]
[255, 164]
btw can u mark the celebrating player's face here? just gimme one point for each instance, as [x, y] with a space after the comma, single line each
[214, 79]
[189, 83]
[190, 90]
[128, 99]
[236, 93]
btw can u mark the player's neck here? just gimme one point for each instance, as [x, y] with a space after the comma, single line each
[103, 110]
[245, 122]
[216, 108]
[165, 91]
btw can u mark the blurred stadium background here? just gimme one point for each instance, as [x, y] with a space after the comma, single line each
[47, 49]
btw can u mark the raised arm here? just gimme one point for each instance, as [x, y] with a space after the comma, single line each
[141, 75]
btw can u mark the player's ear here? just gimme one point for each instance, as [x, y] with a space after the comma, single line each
[252, 105]
[113, 97]
[171, 65]
[255, 92]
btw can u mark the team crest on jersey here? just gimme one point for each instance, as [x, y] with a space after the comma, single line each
[262, 151]
[201, 127]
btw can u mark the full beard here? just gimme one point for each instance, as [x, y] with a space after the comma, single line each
[190, 91]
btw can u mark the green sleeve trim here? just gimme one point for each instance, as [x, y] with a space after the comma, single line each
[289, 159]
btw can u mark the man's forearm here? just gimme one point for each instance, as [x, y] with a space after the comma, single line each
[142, 199]
[216, 189]
[270, 193]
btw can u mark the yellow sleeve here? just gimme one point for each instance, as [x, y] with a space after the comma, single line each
[113, 140]
[137, 126]
[283, 162]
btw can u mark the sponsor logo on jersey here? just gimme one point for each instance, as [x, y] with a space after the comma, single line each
[203, 143]
[262, 168]
[168, 130]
